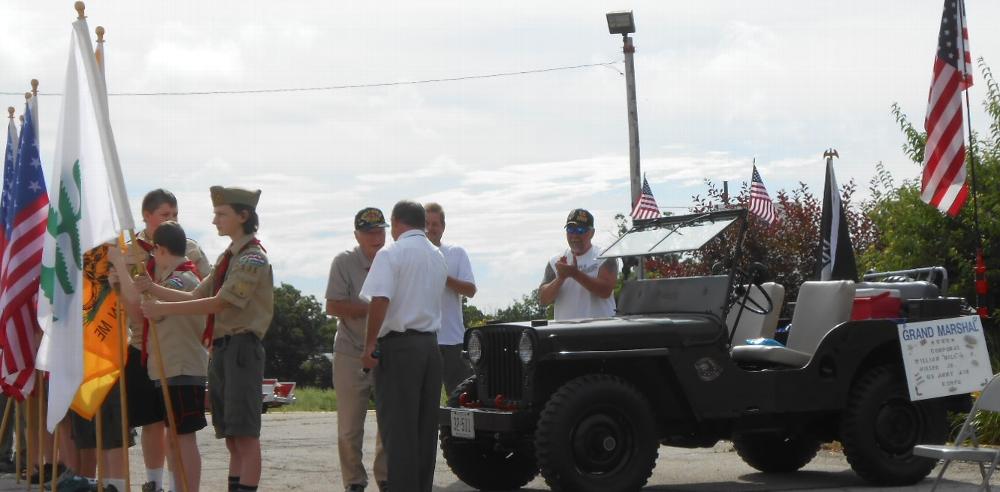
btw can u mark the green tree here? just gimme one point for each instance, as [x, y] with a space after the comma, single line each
[300, 331]
[527, 308]
[916, 234]
[471, 315]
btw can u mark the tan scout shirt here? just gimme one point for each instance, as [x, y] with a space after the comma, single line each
[134, 254]
[179, 335]
[248, 288]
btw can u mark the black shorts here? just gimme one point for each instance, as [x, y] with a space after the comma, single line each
[144, 398]
[188, 402]
[84, 432]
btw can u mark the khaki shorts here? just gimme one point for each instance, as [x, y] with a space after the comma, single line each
[235, 373]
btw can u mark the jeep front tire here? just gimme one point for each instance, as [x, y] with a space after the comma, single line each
[596, 433]
[481, 463]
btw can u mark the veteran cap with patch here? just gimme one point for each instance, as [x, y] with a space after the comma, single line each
[369, 218]
[580, 218]
[234, 196]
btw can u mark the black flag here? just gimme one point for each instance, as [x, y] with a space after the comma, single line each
[835, 256]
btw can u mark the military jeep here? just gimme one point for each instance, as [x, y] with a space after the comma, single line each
[588, 402]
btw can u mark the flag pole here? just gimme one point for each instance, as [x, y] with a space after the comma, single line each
[55, 456]
[164, 387]
[123, 392]
[982, 288]
[18, 438]
[40, 389]
[6, 415]
[99, 430]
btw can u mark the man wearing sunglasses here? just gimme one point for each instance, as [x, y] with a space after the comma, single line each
[576, 281]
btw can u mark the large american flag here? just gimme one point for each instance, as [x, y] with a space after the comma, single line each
[943, 184]
[645, 208]
[760, 201]
[23, 210]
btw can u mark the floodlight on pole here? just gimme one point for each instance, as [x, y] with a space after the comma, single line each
[621, 22]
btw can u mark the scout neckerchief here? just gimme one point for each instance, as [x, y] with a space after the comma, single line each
[186, 266]
[219, 277]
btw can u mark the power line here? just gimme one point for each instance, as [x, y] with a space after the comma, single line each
[608, 64]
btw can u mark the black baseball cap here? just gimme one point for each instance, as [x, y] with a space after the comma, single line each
[369, 218]
[580, 218]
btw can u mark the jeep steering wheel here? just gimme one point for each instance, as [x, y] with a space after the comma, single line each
[752, 279]
[752, 305]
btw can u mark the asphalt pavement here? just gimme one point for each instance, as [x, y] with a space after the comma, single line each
[300, 454]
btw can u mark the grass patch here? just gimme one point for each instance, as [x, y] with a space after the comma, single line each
[311, 400]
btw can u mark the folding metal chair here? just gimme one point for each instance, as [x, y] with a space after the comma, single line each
[988, 401]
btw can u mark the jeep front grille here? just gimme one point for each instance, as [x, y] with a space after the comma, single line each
[500, 370]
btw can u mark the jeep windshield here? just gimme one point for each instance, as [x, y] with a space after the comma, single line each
[675, 234]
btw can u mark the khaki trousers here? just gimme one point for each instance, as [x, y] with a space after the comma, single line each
[353, 389]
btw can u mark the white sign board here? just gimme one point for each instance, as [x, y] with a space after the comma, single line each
[945, 357]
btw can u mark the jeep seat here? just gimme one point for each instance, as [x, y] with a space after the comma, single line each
[753, 325]
[819, 307]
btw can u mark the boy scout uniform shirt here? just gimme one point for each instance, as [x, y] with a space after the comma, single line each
[347, 275]
[134, 255]
[248, 288]
[179, 336]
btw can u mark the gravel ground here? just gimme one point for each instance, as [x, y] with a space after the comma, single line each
[299, 454]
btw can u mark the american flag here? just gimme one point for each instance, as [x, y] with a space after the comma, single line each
[24, 212]
[760, 201]
[943, 184]
[646, 207]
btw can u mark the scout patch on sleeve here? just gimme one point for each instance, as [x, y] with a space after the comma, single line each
[174, 282]
[253, 259]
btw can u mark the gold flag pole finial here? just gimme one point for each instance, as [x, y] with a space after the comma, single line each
[27, 96]
[34, 87]
[100, 34]
[79, 6]
[10, 112]
[21, 119]
[831, 153]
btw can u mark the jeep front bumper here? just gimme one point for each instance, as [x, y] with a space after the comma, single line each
[491, 419]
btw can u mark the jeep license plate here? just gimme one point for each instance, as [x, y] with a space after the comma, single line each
[462, 424]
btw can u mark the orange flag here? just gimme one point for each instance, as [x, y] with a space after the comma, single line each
[102, 347]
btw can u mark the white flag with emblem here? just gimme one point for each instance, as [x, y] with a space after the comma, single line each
[88, 206]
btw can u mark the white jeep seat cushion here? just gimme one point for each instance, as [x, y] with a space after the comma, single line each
[819, 307]
[753, 325]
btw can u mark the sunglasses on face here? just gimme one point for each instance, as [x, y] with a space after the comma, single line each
[577, 230]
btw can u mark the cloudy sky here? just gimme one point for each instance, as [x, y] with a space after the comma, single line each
[508, 157]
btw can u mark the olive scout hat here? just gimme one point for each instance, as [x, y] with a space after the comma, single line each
[369, 218]
[234, 196]
[579, 217]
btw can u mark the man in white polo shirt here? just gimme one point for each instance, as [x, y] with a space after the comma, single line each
[403, 290]
[576, 281]
[460, 283]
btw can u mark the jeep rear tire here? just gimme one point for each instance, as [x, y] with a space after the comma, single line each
[596, 433]
[774, 452]
[481, 463]
[880, 426]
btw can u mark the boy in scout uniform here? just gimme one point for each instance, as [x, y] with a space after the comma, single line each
[354, 386]
[158, 206]
[238, 297]
[184, 358]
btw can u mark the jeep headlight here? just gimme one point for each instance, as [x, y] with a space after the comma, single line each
[474, 348]
[526, 347]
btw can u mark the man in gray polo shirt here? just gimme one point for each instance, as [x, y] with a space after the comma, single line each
[353, 386]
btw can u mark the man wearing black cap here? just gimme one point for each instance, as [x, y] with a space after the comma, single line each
[354, 386]
[576, 281]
